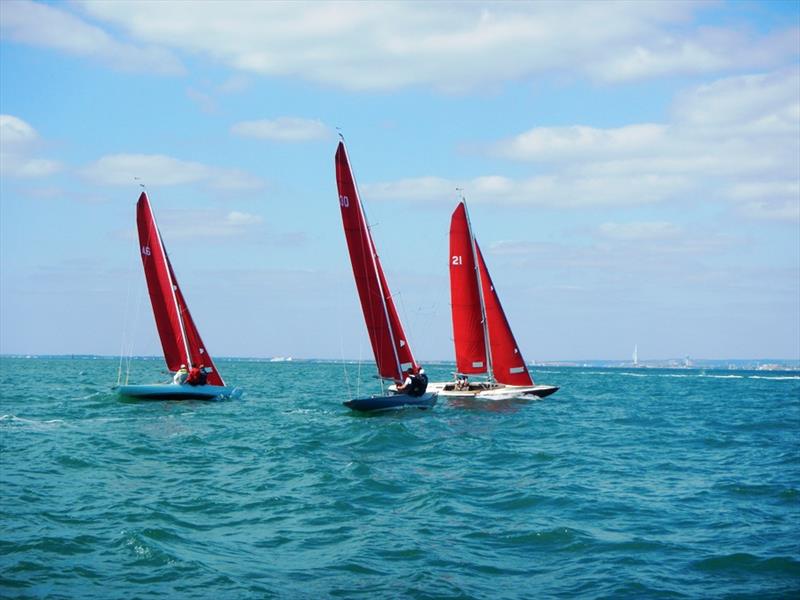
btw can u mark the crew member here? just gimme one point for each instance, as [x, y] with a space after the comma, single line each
[180, 375]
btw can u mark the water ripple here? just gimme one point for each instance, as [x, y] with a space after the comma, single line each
[651, 484]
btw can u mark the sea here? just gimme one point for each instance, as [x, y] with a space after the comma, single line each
[626, 483]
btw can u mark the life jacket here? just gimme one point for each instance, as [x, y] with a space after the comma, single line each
[194, 376]
[419, 383]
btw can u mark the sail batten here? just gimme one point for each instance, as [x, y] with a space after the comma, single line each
[180, 339]
[389, 343]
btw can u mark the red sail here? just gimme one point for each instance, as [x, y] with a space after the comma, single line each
[179, 336]
[468, 332]
[386, 335]
[507, 362]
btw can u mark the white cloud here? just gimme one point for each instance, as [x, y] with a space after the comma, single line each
[788, 211]
[52, 27]
[157, 169]
[548, 190]
[283, 129]
[237, 218]
[648, 230]
[207, 223]
[736, 139]
[577, 141]
[706, 50]
[14, 130]
[18, 143]
[445, 45]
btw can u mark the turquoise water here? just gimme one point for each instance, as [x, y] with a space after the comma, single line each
[625, 484]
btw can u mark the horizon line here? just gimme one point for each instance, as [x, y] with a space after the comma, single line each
[547, 362]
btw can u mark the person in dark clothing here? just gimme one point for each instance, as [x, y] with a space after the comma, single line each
[415, 384]
[203, 379]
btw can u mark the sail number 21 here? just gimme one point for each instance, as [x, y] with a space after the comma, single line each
[457, 260]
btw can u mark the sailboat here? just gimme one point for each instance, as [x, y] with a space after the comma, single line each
[484, 343]
[390, 346]
[180, 339]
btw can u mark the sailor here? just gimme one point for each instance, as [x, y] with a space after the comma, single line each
[203, 379]
[415, 383]
[462, 383]
[180, 375]
[194, 375]
[421, 383]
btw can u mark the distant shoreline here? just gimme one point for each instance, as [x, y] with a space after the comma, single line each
[734, 364]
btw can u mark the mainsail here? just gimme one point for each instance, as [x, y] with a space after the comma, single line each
[465, 297]
[180, 339]
[479, 322]
[389, 345]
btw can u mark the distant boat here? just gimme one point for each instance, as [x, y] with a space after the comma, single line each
[484, 343]
[636, 355]
[389, 343]
[180, 339]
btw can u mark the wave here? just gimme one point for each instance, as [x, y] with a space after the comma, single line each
[41, 424]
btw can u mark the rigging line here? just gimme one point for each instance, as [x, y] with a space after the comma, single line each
[125, 316]
[127, 326]
[137, 314]
[339, 297]
[360, 357]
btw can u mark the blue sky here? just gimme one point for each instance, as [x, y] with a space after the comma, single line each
[632, 171]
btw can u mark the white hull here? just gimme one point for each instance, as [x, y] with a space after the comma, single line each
[167, 391]
[490, 391]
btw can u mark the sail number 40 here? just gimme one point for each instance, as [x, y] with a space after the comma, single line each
[457, 260]
[344, 201]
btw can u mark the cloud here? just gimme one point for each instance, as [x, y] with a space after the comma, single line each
[18, 142]
[547, 190]
[283, 129]
[445, 45]
[788, 211]
[706, 50]
[157, 169]
[549, 144]
[639, 231]
[734, 139]
[14, 131]
[50, 26]
[208, 223]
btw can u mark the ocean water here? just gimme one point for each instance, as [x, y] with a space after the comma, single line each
[624, 484]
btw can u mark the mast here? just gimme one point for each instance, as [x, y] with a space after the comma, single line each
[373, 260]
[172, 286]
[484, 320]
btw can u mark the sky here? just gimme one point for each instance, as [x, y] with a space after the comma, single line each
[632, 172]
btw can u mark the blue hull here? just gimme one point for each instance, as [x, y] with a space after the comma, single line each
[176, 392]
[395, 401]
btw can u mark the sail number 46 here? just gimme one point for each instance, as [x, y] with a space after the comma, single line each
[146, 250]
[457, 260]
